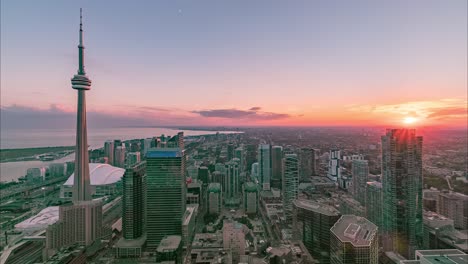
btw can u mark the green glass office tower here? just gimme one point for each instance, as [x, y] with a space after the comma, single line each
[264, 166]
[276, 166]
[402, 191]
[165, 194]
[290, 183]
[311, 223]
[360, 172]
[133, 202]
[374, 203]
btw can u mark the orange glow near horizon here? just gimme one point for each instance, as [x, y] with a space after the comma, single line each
[449, 112]
[410, 120]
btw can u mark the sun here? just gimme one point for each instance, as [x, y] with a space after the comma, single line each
[410, 120]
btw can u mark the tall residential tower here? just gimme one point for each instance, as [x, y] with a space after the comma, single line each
[264, 166]
[290, 183]
[402, 191]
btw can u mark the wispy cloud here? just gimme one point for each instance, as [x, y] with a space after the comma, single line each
[253, 113]
[437, 110]
[420, 108]
[449, 113]
[58, 116]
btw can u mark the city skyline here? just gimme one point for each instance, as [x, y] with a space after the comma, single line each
[253, 189]
[320, 64]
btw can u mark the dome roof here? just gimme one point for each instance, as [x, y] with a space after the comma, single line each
[250, 187]
[101, 174]
[214, 187]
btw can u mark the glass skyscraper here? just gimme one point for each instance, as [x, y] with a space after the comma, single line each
[374, 203]
[133, 202]
[311, 223]
[165, 194]
[264, 166]
[402, 191]
[276, 166]
[360, 172]
[290, 183]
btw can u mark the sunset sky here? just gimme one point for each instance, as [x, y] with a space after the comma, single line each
[307, 63]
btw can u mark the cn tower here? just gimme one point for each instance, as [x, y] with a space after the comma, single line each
[81, 82]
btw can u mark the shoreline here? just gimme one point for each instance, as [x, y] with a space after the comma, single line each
[32, 154]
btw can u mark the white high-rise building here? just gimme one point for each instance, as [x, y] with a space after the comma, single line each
[264, 166]
[109, 151]
[254, 171]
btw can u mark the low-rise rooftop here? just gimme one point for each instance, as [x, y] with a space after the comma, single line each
[316, 207]
[169, 243]
[189, 213]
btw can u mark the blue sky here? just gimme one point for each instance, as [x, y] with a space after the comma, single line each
[295, 60]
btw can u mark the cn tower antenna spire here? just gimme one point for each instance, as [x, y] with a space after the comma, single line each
[81, 70]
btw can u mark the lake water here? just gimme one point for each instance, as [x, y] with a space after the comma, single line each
[24, 138]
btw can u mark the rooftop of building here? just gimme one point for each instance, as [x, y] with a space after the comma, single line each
[443, 256]
[214, 187]
[305, 185]
[316, 207]
[318, 180]
[100, 174]
[375, 184]
[354, 229]
[278, 251]
[212, 255]
[194, 184]
[44, 218]
[273, 193]
[435, 220]
[190, 212]
[454, 195]
[164, 153]
[131, 243]
[394, 256]
[439, 252]
[169, 243]
[250, 187]
[208, 240]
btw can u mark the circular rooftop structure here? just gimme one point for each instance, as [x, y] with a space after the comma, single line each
[250, 187]
[100, 174]
[214, 187]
